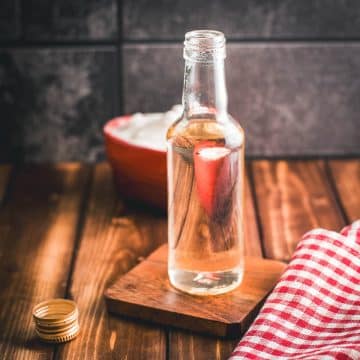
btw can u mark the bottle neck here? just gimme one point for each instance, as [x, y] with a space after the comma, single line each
[204, 89]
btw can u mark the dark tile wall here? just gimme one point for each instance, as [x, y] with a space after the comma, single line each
[9, 19]
[242, 19]
[70, 20]
[54, 102]
[291, 98]
[293, 71]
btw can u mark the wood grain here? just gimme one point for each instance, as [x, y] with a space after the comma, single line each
[112, 241]
[252, 236]
[5, 171]
[293, 197]
[346, 175]
[145, 293]
[37, 231]
[189, 346]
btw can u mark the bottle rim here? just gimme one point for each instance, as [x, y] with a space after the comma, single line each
[204, 45]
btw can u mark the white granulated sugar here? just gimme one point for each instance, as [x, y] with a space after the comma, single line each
[148, 130]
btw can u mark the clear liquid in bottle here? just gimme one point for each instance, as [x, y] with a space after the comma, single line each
[205, 186]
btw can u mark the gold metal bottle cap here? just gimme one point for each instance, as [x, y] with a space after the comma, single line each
[56, 320]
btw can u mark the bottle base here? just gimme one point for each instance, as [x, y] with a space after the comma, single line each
[205, 283]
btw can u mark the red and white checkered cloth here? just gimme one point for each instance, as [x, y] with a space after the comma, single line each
[314, 310]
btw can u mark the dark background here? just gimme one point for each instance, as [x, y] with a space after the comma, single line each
[293, 71]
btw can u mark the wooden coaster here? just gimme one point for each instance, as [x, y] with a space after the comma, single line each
[145, 293]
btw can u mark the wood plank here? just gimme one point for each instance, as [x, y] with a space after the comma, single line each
[5, 171]
[187, 345]
[346, 175]
[112, 241]
[293, 197]
[37, 231]
[252, 236]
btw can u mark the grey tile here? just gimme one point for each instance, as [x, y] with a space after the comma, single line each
[70, 20]
[9, 19]
[152, 77]
[292, 99]
[242, 19]
[54, 102]
[297, 99]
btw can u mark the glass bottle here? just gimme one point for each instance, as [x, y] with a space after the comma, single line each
[205, 161]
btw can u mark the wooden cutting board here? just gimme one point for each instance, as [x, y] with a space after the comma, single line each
[145, 293]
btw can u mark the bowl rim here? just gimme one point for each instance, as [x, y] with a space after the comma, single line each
[114, 122]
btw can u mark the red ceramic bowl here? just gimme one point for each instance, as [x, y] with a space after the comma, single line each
[139, 172]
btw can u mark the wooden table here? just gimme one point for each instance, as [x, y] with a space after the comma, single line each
[65, 233]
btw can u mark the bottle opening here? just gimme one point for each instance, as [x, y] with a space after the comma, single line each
[204, 45]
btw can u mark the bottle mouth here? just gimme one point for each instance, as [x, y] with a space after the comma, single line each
[204, 45]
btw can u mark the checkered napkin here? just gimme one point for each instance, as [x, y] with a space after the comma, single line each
[314, 310]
